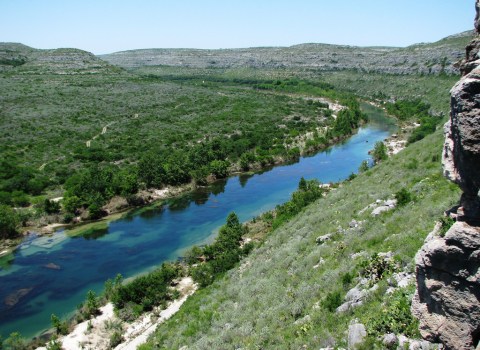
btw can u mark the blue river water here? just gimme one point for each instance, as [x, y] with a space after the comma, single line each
[52, 274]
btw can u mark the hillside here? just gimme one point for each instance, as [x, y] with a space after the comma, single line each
[76, 126]
[432, 58]
[21, 59]
[280, 297]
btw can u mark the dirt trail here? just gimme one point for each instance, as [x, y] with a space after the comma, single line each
[104, 131]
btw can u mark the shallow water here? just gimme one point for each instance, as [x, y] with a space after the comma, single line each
[52, 274]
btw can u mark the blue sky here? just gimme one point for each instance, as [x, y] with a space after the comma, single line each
[104, 26]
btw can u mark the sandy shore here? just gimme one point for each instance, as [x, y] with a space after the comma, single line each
[95, 333]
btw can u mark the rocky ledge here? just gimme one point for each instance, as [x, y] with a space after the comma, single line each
[448, 268]
[448, 282]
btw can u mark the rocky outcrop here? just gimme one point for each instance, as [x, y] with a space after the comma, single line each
[24, 59]
[448, 282]
[356, 334]
[447, 300]
[461, 157]
[436, 58]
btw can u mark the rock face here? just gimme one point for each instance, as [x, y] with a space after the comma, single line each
[448, 282]
[24, 59]
[416, 59]
[447, 300]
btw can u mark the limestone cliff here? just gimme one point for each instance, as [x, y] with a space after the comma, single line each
[447, 301]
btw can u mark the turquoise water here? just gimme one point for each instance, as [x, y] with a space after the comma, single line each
[54, 273]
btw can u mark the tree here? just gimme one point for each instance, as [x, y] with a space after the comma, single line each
[233, 221]
[363, 167]
[192, 255]
[246, 159]
[126, 182]
[51, 207]
[111, 286]
[151, 171]
[302, 185]
[379, 152]
[91, 303]
[71, 203]
[60, 327]
[15, 342]
[9, 222]
[219, 168]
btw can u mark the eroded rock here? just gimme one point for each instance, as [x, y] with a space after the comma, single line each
[448, 288]
[448, 268]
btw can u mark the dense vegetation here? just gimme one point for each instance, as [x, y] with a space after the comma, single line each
[144, 292]
[418, 111]
[173, 130]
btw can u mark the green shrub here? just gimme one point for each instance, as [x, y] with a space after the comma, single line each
[403, 197]
[347, 279]
[51, 207]
[332, 301]
[377, 267]
[61, 327]
[396, 316]
[379, 152]
[446, 222]
[15, 342]
[54, 344]
[90, 305]
[146, 291]
[363, 167]
[115, 339]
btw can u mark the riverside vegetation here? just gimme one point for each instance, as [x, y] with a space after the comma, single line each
[282, 290]
[116, 132]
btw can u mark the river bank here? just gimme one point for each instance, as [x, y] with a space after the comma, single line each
[158, 233]
[119, 205]
[96, 333]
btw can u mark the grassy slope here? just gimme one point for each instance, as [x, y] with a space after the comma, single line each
[255, 306]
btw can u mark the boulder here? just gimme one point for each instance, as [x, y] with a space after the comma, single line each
[323, 239]
[448, 288]
[356, 334]
[390, 340]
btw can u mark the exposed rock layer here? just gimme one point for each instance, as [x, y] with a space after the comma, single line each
[447, 301]
[435, 58]
[448, 281]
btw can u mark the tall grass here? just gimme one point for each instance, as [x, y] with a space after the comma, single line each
[273, 300]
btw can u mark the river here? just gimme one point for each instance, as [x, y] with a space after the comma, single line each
[52, 274]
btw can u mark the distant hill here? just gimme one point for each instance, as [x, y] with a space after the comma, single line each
[24, 59]
[432, 58]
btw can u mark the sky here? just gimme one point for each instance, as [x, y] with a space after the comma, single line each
[106, 26]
